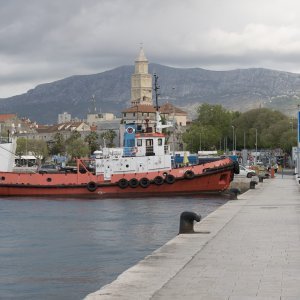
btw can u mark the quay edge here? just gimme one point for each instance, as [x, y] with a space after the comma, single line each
[246, 249]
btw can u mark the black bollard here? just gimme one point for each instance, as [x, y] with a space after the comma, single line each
[234, 192]
[252, 184]
[187, 219]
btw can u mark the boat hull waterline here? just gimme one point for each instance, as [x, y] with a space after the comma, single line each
[211, 177]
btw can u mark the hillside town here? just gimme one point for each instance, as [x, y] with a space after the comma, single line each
[107, 127]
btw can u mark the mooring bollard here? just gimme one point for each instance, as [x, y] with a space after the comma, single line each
[252, 184]
[234, 192]
[187, 219]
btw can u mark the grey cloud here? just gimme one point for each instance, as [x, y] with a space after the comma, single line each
[50, 39]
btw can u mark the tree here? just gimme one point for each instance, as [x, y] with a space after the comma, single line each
[273, 129]
[109, 136]
[37, 148]
[21, 146]
[58, 146]
[93, 141]
[74, 136]
[211, 126]
[77, 148]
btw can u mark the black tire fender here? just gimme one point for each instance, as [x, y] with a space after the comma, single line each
[236, 167]
[133, 182]
[158, 180]
[170, 179]
[144, 182]
[189, 174]
[92, 186]
[123, 183]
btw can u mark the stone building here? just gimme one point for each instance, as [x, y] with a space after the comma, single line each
[142, 112]
[47, 132]
[141, 82]
[64, 118]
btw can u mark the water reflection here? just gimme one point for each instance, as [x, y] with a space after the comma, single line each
[65, 249]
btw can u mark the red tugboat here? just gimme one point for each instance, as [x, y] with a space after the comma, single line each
[143, 167]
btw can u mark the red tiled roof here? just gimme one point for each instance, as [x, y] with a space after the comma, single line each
[168, 108]
[5, 117]
[140, 108]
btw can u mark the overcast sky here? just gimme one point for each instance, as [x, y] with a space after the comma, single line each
[46, 40]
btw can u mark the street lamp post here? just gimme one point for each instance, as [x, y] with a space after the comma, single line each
[200, 141]
[233, 139]
[255, 145]
[298, 143]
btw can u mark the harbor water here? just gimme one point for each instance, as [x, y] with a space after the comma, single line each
[66, 249]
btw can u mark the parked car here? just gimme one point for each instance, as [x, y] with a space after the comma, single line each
[46, 169]
[246, 172]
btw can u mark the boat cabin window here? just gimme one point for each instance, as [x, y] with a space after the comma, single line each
[159, 142]
[149, 142]
[139, 142]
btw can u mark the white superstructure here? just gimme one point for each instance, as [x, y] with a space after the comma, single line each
[7, 154]
[148, 154]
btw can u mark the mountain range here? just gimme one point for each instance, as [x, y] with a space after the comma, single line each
[239, 90]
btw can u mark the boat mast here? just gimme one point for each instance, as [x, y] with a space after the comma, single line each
[156, 88]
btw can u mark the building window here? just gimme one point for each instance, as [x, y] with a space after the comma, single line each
[159, 142]
[124, 114]
[134, 114]
[147, 114]
[139, 142]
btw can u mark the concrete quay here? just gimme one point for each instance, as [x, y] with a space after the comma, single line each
[247, 249]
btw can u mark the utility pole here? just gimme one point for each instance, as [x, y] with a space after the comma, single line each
[255, 146]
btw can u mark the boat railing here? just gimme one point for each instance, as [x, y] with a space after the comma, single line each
[129, 151]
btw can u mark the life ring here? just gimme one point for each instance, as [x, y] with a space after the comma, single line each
[170, 179]
[123, 183]
[144, 182]
[236, 167]
[92, 186]
[158, 180]
[133, 182]
[189, 174]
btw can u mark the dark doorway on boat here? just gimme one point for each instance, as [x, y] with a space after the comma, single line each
[149, 147]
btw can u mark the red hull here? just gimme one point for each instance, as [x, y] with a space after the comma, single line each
[211, 177]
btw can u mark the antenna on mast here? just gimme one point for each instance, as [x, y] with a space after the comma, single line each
[156, 88]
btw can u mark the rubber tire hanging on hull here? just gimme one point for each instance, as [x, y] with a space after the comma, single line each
[236, 167]
[123, 183]
[144, 182]
[189, 174]
[158, 180]
[133, 182]
[170, 179]
[92, 186]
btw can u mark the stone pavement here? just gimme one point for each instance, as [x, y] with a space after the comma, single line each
[247, 249]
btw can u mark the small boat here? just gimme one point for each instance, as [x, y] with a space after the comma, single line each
[143, 167]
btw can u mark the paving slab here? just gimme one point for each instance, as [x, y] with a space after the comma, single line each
[247, 249]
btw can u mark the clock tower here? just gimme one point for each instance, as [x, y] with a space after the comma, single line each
[141, 82]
